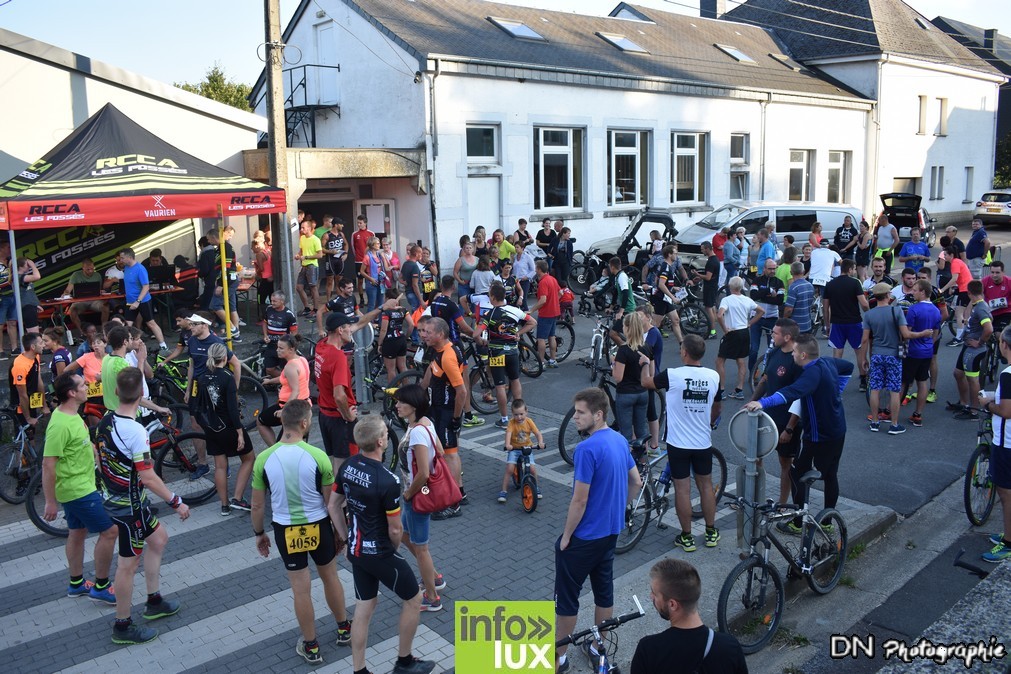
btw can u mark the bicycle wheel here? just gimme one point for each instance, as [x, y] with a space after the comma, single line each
[35, 504]
[16, 471]
[749, 608]
[181, 478]
[389, 404]
[756, 374]
[252, 401]
[978, 492]
[528, 493]
[391, 457]
[719, 477]
[9, 427]
[530, 363]
[481, 384]
[582, 277]
[565, 338]
[695, 320]
[568, 437]
[637, 514]
[829, 545]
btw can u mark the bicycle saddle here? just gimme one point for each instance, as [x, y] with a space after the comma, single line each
[810, 476]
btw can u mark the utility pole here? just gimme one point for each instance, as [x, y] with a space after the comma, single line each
[277, 135]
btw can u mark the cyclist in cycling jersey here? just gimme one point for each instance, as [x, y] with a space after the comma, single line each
[300, 481]
[669, 280]
[278, 321]
[394, 326]
[26, 390]
[371, 494]
[127, 475]
[997, 293]
[626, 299]
[506, 324]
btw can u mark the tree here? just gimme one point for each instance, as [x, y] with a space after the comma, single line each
[217, 87]
[1002, 165]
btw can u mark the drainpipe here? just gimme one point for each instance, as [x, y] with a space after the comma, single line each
[761, 158]
[874, 140]
[434, 147]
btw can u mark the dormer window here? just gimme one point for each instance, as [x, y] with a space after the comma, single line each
[517, 29]
[621, 42]
[734, 53]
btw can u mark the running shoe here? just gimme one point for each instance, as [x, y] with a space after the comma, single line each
[502, 423]
[789, 528]
[916, 421]
[502, 496]
[592, 656]
[104, 596]
[932, 396]
[884, 415]
[953, 407]
[430, 605]
[226, 510]
[162, 609]
[236, 337]
[562, 667]
[309, 651]
[712, 537]
[896, 429]
[686, 541]
[875, 426]
[472, 420]
[199, 472]
[905, 401]
[967, 415]
[415, 666]
[84, 588]
[440, 582]
[539, 494]
[134, 634]
[344, 633]
[452, 511]
[551, 363]
[737, 394]
[911, 396]
[996, 539]
[240, 504]
[955, 342]
[998, 554]
[863, 383]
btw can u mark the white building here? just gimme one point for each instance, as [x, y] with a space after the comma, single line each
[445, 115]
[933, 129]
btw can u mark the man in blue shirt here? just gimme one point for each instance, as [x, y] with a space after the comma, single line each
[800, 301]
[819, 389]
[766, 251]
[922, 315]
[915, 253]
[976, 249]
[604, 476]
[137, 289]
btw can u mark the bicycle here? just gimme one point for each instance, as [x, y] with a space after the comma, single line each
[978, 492]
[176, 464]
[755, 376]
[169, 384]
[603, 638]
[600, 340]
[524, 479]
[652, 497]
[565, 339]
[19, 461]
[748, 607]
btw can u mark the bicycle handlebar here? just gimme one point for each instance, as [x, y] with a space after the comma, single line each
[604, 625]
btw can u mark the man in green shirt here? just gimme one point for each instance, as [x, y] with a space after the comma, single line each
[310, 250]
[120, 342]
[86, 274]
[68, 478]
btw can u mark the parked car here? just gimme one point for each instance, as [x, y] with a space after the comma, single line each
[994, 207]
[903, 211]
[628, 246]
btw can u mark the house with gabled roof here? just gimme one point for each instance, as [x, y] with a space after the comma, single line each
[932, 131]
[440, 115]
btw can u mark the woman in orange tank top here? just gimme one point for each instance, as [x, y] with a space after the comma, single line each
[294, 383]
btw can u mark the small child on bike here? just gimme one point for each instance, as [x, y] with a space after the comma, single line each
[520, 433]
[565, 300]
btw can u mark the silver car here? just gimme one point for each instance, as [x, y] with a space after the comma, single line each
[994, 207]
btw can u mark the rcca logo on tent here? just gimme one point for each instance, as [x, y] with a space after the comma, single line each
[249, 203]
[54, 212]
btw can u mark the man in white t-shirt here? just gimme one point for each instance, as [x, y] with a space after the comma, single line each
[736, 315]
[114, 282]
[824, 266]
[693, 404]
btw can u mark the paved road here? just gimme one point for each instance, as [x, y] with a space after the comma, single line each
[237, 614]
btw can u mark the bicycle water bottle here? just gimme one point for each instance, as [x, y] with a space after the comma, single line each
[664, 480]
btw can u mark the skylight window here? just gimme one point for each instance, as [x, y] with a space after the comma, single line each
[517, 29]
[734, 53]
[788, 62]
[923, 23]
[623, 43]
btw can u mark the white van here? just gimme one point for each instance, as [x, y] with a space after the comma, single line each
[794, 218]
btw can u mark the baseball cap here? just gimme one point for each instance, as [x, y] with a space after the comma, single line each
[194, 318]
[881, 289]
[336, 319]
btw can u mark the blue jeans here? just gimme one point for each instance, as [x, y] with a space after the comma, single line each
[525, 284]
[412, 300]
[373, 295]
[756, 339]
[631, 411]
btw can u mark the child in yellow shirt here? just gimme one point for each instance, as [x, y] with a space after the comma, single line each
[520, 433]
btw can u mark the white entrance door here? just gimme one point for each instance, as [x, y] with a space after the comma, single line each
[483, 204]
[382, 218]
[326, 55]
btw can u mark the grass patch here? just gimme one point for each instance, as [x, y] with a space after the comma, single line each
[856, 551]
[789, 639]
[848, 581]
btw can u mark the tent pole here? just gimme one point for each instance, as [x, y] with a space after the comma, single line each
[224, 275]
[16, 280]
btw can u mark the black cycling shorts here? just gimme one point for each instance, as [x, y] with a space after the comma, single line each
[323, 554]
[134, 528]
[144, 310]
[394, 347]
[684, 462]
[442, 418]
[915, 369]
[508, 372]
[394, 572]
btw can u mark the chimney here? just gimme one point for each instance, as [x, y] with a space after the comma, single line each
[712, 9]
[989, 35]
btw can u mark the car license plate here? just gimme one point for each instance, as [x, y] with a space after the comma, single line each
[993, 210]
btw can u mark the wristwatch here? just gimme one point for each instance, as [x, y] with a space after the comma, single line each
[258, 533]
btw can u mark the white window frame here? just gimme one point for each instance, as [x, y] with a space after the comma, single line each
[575, 178]
[701, 178]
[517, 29]
[936, 182]
[735, 53]
[806, 165]
[969, 189]
[746, 148]
[640, 151]
[942, 117]
[740, 185]
[482, 159]
[921, 128]
[843, 167]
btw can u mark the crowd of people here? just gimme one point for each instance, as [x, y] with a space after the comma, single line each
[341, 498]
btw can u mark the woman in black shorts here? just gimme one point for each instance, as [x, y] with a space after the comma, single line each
[865, 243]
[394, 325]
[218, 414]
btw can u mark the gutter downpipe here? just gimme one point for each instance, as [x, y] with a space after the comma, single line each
[761, 162]
[433, 142]
[874, 147]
